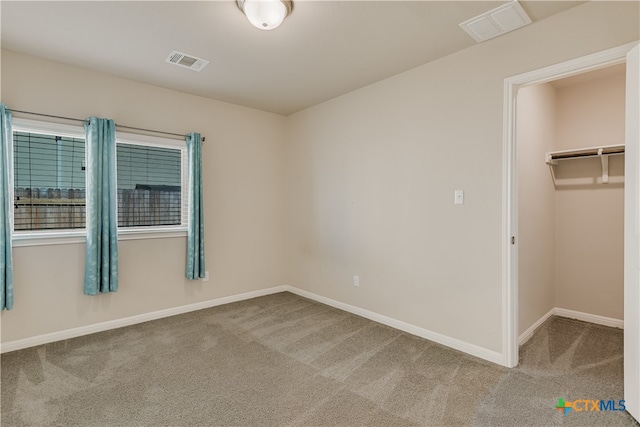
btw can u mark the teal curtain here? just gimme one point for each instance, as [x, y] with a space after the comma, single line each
[101, 267]
[6, 209]
[195, 235]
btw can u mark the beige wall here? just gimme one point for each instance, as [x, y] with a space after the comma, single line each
[536, 129]
[244, 192]
[589, 216]
[372, 175]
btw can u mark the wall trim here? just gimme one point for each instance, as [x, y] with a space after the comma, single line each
[472, 349]
[456, 344]
[591, 318]
[570, 314]
[132, 320]
[526, 335]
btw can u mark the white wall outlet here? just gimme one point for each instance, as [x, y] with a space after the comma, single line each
[356, 280]
[458, 197]
[206, 276]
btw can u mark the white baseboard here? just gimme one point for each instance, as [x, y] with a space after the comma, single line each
[132, 320]
[591, 318]
[533, 328]
[571, 314]
[472, 349]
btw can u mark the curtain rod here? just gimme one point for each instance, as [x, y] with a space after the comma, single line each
[84, 120]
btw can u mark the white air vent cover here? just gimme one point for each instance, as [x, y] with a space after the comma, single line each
[496, 22]
[186, 61]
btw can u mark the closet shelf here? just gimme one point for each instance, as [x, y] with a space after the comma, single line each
[603, 152]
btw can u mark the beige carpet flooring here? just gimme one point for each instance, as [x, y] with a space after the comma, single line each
[282, 360]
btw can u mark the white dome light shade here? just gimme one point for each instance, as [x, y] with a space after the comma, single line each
[265, 14]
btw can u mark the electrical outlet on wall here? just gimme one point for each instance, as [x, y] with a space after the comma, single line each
[356, 280]
[206, 276]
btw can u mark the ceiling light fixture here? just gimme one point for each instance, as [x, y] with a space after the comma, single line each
[265, 14]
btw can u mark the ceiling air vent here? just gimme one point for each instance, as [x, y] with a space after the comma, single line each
[186, 61]
[496, 22]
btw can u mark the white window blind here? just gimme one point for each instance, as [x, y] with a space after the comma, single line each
[149, 185]
[49, 182]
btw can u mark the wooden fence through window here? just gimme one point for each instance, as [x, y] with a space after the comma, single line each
[51, 209]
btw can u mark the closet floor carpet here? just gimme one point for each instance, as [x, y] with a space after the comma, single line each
[284, 360]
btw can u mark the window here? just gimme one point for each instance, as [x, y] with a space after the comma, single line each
[149, 186]
[49, 183]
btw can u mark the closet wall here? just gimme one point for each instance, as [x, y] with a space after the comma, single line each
[571, 228]
[536, 127]
[589, 241]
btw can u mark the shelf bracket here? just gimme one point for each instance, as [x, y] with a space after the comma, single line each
[604, 158]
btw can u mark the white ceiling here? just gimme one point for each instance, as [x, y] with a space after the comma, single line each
[322, 50]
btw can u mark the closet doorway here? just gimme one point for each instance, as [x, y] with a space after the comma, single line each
[570, 162]
[586, 177]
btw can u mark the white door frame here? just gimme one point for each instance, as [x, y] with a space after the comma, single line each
[510, 184]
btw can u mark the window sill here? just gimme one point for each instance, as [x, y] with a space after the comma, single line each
[46, 238]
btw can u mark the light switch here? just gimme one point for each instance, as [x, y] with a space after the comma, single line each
[459, 197]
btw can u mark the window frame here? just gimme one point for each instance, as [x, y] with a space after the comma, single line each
[78, 235]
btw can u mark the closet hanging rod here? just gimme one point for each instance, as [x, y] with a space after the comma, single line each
[605, 150]
[159, 132]
[602, 152]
